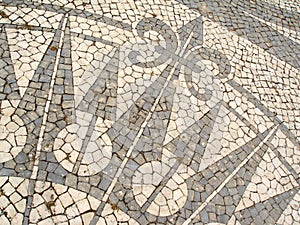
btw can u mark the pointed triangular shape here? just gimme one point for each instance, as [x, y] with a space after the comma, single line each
[42, 75]
[9, 88]
[88, 58]
[189, 146]
[196, 28]
[124, 131]
[187, 149]
[230, 132]
[271, 178]
[267, 212]
[196, 93]
[151, 139]
[95, 114]
[62, 104]
[100, 98]
[138, 112]
[27, 49]
[38, 91]
[229, 191]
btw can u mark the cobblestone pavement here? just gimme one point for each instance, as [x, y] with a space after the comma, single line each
[150, 112]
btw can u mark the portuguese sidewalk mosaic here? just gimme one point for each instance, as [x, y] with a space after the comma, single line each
[170, 112]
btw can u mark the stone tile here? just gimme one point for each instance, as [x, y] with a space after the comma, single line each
[149, 112]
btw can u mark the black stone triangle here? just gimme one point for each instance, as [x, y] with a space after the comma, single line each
[268, 211]
[207, 181]
[9, 89]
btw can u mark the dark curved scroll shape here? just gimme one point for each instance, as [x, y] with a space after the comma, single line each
[205, 54]
[154, 24]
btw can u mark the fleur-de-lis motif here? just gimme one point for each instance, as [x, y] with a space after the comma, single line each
[154, 116]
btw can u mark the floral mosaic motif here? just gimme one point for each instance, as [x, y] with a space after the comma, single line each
[138, 112]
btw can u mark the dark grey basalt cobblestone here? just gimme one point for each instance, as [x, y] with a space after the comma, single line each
[149, 112]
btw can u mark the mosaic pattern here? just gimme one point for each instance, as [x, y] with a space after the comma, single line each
[149, 112]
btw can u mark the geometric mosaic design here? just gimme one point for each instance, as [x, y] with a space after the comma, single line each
[149, 112]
